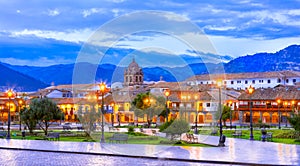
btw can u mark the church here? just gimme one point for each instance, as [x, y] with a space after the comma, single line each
[133, 75]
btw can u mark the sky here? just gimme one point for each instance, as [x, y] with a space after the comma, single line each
[48, 32]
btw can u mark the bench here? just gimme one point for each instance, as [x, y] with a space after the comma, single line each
[230, 127]
[54, 136]
[67, 127]
[214, 132]
[269, 136]
[191, 138]
[237, 133]
[1, 128]
[3, 134]
[119, 138]
[154, 132]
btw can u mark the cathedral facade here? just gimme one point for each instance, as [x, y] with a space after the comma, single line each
[133, 75]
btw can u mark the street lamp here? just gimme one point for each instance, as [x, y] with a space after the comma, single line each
[167, 94]
[250, 91]
[285, 107]
[222, 138]
[112, 114]
[9, 94]
[230, 102]
[278, 103]
[20, 106]
[102, 87]
[196, 121]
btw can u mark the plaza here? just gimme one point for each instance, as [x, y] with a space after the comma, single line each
[236, 152]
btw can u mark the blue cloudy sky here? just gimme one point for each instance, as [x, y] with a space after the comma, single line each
[48, 32]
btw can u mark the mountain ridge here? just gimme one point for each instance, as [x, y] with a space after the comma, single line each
[285, 59]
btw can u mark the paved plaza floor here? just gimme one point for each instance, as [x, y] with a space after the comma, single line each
[236, 151]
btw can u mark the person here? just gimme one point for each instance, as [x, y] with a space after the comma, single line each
[263, 134]
[23, 133]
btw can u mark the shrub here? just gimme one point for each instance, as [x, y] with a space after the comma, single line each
[165, 125]
[130, 129]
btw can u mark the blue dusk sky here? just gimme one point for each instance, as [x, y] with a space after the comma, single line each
[49, 32]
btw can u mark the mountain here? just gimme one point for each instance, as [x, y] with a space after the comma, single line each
[18, 81]
[285, 59]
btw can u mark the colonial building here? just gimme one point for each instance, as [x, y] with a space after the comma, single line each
[133, 75]
[241, 81]
[270, 105]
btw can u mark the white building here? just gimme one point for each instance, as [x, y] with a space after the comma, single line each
[241, 81]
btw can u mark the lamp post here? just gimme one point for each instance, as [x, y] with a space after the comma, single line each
[250, 91]
[285, 107]
[20, 107]
[221, 139]
[167, 94]
[102, 88]
[230, 102]
[278, 103]
[196, 119]
[112, 114]
[293, 108]
[9, 94]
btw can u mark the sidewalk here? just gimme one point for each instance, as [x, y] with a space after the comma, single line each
[236, 151]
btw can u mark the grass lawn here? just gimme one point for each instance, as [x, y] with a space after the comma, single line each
[78, 136]
[279, 136]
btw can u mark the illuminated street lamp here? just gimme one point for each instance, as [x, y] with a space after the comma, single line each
[196, 120]
[112, 114]
[293, 108]
[167, 94]
[230, 102]
[222, 138]
[285, 107]
[278, 103]
[250, 91]
[20, 107]
[102, 87]
[9, 95]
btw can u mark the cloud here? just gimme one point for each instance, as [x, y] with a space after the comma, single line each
[91, 11]
[42, 61]
[54, 12]
[248, 46]
[75, 36]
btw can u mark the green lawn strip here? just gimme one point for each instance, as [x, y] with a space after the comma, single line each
[77, 136]
[279, 136]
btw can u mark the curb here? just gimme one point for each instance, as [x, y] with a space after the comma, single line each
[141, 157]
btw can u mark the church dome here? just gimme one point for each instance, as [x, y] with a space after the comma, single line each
[133, 68]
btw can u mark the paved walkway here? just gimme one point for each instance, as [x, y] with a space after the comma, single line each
[236, 151]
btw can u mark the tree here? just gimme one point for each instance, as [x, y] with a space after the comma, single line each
[177, 127]
[45, 111]
[137, 112]
[226, 111]
[294, 120]
[149, 104]
[29, 119]
[88, 118]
